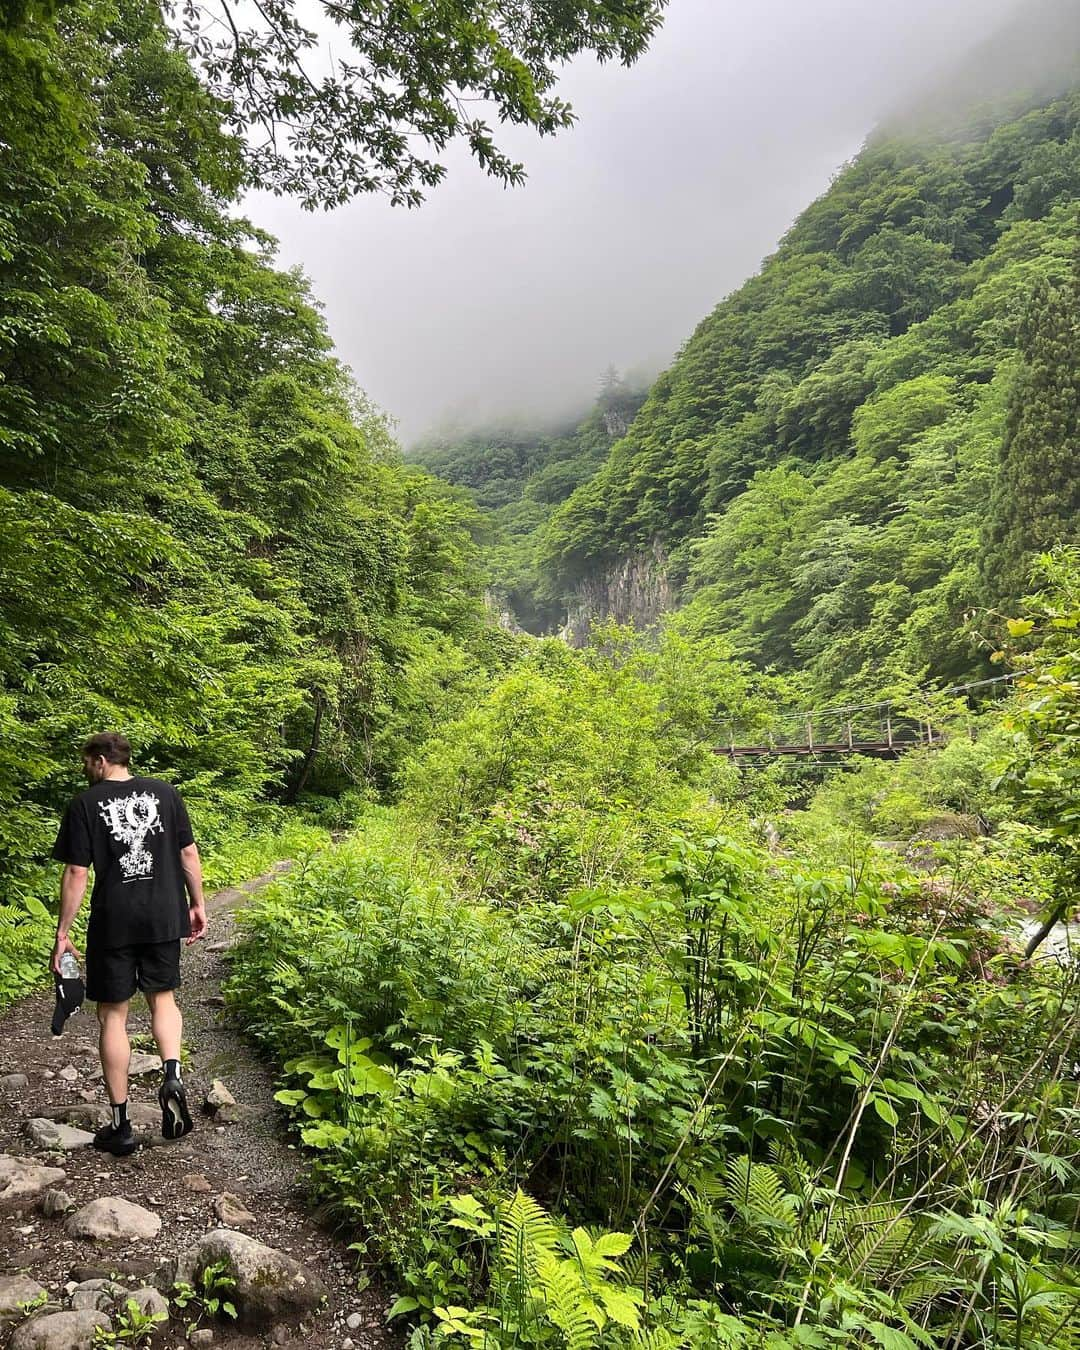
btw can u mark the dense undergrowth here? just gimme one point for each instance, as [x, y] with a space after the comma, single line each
[587, 1055]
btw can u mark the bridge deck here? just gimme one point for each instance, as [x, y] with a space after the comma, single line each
[885, 749]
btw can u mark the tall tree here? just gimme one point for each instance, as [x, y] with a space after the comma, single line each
[1036, 498]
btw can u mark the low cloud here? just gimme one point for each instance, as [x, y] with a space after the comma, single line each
[681, 174]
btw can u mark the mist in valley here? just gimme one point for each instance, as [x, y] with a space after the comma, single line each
[492, 306]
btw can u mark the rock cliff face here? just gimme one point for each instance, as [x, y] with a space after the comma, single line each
[636, 590]
[501, 612]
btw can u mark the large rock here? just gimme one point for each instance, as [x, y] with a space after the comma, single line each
[22, 1180]
[83, 1115]
[270, 1286]
[14, 1082]
[60, 1331]
[148, 1301]
[16, 1291]
[92, 1115]
[100, 1294]
[50, 1134]
[111, 1219]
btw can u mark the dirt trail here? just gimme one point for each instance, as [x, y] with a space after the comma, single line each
[249, 1156]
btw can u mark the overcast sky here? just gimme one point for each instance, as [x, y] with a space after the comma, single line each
[680, 176]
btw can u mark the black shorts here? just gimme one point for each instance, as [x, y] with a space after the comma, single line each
[114, 973]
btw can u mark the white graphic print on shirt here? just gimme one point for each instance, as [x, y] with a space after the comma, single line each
[130, 820]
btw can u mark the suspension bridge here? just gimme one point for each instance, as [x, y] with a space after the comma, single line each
[883, 730]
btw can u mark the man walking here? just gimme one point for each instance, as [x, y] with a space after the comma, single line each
[136, 833]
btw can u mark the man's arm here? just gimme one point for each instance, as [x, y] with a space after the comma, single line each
[72, 891]
[190, 862]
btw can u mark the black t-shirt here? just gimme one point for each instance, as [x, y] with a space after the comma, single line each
[131, 830]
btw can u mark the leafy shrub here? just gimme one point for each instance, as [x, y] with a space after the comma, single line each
[625, 1054]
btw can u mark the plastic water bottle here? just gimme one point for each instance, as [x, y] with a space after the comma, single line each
[69, 967]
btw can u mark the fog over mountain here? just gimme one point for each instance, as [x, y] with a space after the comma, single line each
[681, 173]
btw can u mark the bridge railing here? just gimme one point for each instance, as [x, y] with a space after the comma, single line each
[925, 718]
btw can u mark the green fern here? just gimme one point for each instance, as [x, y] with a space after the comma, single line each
[567, 1305]
[757, 1194]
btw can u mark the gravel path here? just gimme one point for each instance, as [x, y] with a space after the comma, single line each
[250, 1156]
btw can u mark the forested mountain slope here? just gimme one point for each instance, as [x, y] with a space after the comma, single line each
[878, 432]
[520, 475]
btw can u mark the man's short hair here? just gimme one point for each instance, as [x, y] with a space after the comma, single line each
[110, 745]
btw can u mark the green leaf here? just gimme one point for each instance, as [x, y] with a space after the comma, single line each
[613, 1244]
[886, 1111]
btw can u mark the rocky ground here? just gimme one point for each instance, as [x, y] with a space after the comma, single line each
[81, 1232]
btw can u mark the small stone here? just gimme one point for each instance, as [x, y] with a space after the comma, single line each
[16, 1291]
[26, 1258]
[73, 1330]
[230, 1210]
[22, 1181]
[354, 1321]
[218, 946]
[219, 1096]
[48, 1075]
[111, 1219]
[55, 1203]
[281, 1335]
[49, 1134]
[14, 1082]
[198, 1183]
[201, 1336]
[347, 1343]
[141, 1063]
[69, 1073]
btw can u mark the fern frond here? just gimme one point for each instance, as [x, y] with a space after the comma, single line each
[568, 1305]
[526, 1233]
[757, 1193]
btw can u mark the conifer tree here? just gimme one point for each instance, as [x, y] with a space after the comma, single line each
[1036, 500]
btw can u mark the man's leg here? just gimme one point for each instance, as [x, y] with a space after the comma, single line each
[159, 977]
[166, 1023]
[115, 1049]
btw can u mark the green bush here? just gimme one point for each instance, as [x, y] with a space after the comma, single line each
[620, 1053]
